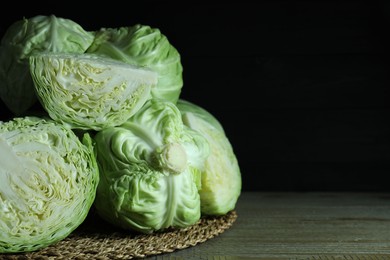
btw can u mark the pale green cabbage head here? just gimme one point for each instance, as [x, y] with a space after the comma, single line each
[143, 45]
[22, 39]
[221, 178]
[48, 181]
[149, 170]
[87, 91]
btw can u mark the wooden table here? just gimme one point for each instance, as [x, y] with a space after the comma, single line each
[310, 225]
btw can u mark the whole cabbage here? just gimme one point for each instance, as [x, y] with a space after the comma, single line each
[48, 181]
[150, 170]
[144, 46]
[221, 178]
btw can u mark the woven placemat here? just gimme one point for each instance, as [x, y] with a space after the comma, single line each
[95, 239]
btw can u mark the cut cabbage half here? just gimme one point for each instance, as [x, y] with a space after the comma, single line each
[88, 91]
[48, 181]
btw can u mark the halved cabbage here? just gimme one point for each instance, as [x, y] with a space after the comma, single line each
[48, 180]
[25, 37]
[150, 170]
[87, 91]
[221, 179]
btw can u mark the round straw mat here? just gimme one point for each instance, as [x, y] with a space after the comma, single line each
[95, 239]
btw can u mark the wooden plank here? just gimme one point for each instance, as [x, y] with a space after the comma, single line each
[302, 226]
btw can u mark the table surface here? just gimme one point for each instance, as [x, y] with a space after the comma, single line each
[301, 225]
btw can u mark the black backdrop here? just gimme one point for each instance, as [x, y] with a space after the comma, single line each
[301, 87]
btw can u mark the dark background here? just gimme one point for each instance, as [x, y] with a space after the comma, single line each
[301, 87]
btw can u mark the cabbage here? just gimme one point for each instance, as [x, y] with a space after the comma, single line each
[221, 178]
[22, 39]
[48, 181]
[86, 91]
[149, 170]
[142, 45]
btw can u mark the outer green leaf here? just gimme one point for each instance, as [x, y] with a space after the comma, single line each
[22, 39]
[142, 45]
[48, 181]
[149, 170]
[221, 179]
